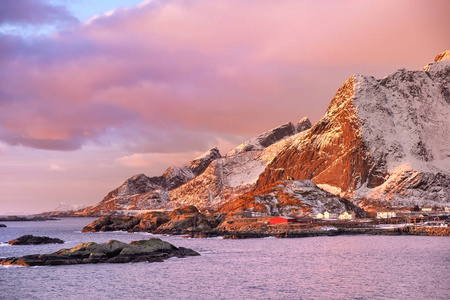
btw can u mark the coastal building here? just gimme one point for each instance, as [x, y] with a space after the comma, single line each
[386, 214]
[427, 209]
[281, 220]
[347, 216]
[447, 208]
[319, 216]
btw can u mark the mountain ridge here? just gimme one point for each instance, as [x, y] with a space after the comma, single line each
[382, 142]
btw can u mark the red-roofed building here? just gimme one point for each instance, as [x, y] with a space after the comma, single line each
[280, 220]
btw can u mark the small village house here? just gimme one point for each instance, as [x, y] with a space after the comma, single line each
[438, 221]
[427, 209]
[347, 216]
[386, 214]
[319, 216]
[330, 215]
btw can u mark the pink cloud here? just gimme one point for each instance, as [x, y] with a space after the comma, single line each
[174, 76]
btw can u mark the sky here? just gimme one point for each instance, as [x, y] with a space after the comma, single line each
[93, 92]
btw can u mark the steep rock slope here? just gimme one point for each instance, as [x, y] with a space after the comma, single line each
[289, 197]
[384, 141]
[235, 174]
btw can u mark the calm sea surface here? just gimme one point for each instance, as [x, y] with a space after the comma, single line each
[343, 267]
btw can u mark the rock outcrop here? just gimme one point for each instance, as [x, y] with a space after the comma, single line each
[35, 240]
[183, 220]
[270, 137]
[112, 223]
[151, 250]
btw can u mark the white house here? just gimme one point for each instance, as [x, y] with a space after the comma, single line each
[386, 214]
[347, 216]
[319, 216]
[330, 215]
[427, 209]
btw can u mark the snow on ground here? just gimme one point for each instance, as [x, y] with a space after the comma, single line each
[404, 118]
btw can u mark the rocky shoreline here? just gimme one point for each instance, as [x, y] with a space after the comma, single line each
[152, 250]
[422, 231]
[190, 222]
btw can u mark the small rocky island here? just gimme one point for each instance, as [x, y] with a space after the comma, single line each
[2, 225]
[152, 250]
[29, 239]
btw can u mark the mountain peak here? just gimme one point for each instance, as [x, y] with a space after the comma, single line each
[304, 124]
[272, 136]
[199, 164]
[443, 56]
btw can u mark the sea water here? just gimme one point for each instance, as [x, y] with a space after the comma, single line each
[340, 267]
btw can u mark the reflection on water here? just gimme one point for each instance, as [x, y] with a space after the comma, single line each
[342, 267]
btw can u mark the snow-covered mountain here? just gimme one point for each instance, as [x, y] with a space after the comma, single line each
[142, 192]
[207, 181]
[381, 141]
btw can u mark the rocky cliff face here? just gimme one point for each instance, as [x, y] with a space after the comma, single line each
[381, 140]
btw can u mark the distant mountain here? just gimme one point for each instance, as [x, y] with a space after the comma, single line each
[381, 142]
[63, 207]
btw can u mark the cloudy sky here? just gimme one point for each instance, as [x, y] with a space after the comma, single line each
[93, 92]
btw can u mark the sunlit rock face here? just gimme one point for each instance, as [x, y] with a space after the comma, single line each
[381, 140]
[228, 177]
[289, 198]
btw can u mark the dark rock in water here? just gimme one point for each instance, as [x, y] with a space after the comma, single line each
[2, 225]
[186, 222]
[112, 223]
[110, 252]
[35, 240]
[24, 219]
